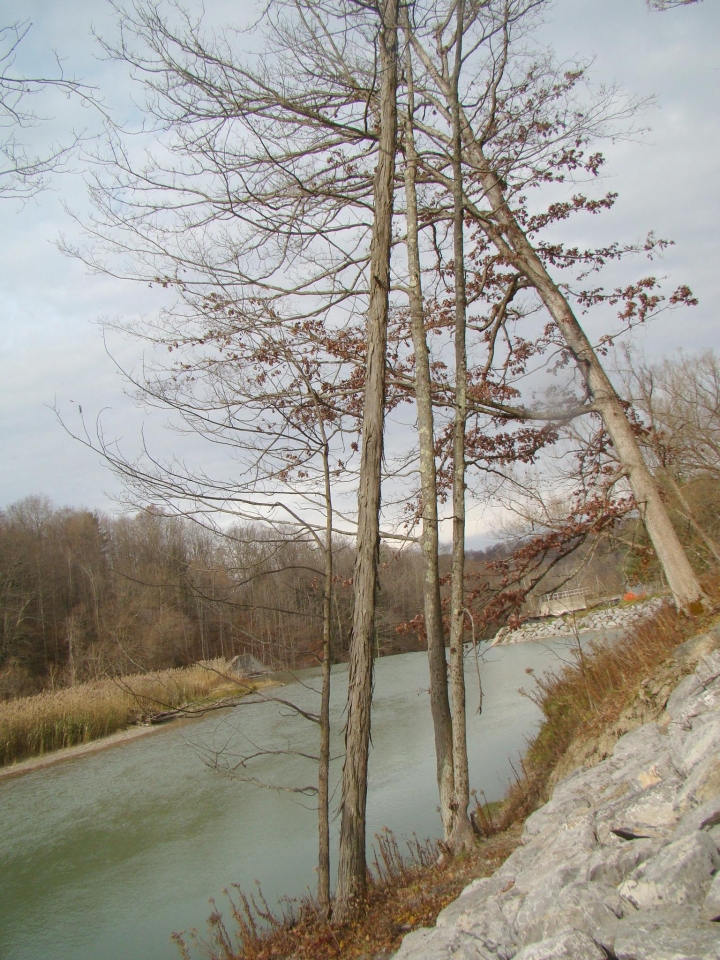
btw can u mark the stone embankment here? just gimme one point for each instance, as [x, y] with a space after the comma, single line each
[614, 618]
[623, 861]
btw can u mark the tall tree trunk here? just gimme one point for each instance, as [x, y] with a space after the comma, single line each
[463, 836]
[512, 241]
[324, 768]
[439, 702]
[352, 868]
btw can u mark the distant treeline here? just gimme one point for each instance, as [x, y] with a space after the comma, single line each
[84, 595]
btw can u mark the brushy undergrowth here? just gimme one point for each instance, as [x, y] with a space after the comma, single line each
[588, 695]
[407, 890]
[32, 726]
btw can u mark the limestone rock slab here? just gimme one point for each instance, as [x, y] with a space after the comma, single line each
[703, 784]
[692, 650]
[711, 905]
[669, 933]
[592, 908]
[442, 944]
[473, 898]
[679, 874]
[623, 861]
[702, 742]
[697, 693]
[703, 817]
[614, 865]
[652, 813]
[568, 945]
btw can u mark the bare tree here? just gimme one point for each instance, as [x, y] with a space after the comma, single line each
[678, 402]
[22, 171]
[463, 833]
[423, 390]
[661, 5]
[507, 149]
[352, 869]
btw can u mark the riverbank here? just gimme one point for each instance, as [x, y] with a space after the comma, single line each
[612, 689]
[410, 888]
[71, 753]
[620, 617]
[624, 859]
[56, 725]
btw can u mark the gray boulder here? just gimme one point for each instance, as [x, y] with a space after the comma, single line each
[703, 784]
[443, 944]
[571, 843]
[555, 813]
[520, 859]
[491, 929]
[701, 743]
[690, 652]
[640, 763]
[639, 745]
[613, 865]
[711, 905]
[714, 834]
[481, 916]
[568, 945]
[669, 933]
[622, 862]
[679, 874]
[592, 908]
[652, 813]
[545, 882]
[700, 818]
[473, 898]
[697, 693]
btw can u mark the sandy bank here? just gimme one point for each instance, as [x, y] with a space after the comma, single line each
[124, 736]
[79, 750]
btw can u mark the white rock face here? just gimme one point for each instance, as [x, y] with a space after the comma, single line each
[623, 862]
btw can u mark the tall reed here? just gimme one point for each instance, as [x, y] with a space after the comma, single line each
[36, 725]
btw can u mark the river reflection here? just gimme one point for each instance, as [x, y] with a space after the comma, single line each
[103, 857]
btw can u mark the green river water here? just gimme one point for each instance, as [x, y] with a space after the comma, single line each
[104, 856]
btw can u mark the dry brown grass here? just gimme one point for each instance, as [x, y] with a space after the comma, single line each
[32, 726]
[408, 891]
[589, 695]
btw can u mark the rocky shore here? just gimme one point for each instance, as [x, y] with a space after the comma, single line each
[623, 861]
[613, 618]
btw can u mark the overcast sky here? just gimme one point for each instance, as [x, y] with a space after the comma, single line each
[52, 350]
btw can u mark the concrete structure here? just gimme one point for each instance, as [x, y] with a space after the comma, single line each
[561, 602]
[246, 665]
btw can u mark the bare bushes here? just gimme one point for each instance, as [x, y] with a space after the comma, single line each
[407, 890]
[32, 726]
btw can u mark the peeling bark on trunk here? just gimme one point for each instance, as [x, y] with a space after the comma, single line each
[439, 702]
[352, 868]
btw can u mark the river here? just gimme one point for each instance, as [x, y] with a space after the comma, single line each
[104, 856]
